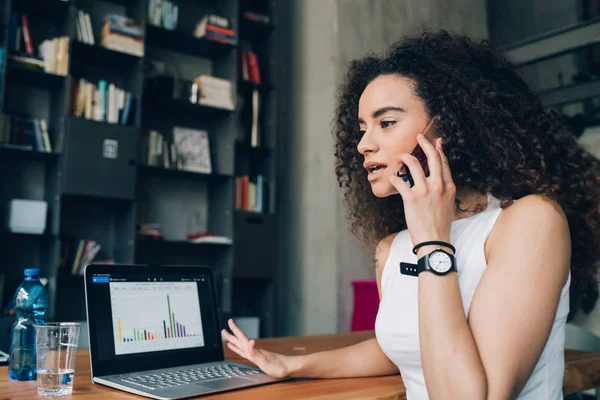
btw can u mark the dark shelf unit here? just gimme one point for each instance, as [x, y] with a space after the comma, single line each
[160, 242]
[97, 54]
[261, 151]
[152, 171]
[185, 42]
[31, 76]
[4, 234]
[11, 153]
[94, 181]
[255, 238]
[46, 8]
[250, 86]
[160, 101]
[254, 30]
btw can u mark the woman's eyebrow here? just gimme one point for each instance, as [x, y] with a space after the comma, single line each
[381, 111]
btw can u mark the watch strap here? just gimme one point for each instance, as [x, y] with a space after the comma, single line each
[408, 269]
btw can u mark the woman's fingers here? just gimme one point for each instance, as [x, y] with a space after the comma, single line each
[237, 350]
[412, 163]
[230, 338]
[445, 165]
[433, 156]
[402, 186]
[238, 332]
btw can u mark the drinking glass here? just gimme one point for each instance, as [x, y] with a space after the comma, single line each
[56, 348]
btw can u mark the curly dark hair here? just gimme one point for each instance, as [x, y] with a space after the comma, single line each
[498, 136]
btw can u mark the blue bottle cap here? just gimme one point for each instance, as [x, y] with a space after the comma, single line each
[32, 272]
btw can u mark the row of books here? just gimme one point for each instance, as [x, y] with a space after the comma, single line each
[216, 28]
[19, 35]
[55, 55]
[189, 150]
[24, 132]
[252, 193]
[85, 34]
[76, 253]
[101, 102]
[52, 54]
[163, 13]
[158, 151]
[123, 34]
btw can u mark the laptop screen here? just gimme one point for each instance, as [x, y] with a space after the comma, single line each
[155, 316]
[141, 318]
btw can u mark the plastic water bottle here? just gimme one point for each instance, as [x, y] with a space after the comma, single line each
[31, 303]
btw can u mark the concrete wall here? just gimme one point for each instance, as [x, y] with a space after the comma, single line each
[318, 258]
[308, 203]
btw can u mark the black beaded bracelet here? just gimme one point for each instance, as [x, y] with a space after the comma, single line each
[446, 244]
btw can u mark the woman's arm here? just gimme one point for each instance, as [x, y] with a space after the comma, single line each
[512, 312]
[491, 356]
[362, 359]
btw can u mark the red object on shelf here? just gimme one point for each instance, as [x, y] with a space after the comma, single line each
[198, 235]
[366, 305]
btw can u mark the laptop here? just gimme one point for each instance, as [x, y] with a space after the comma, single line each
[154, 331]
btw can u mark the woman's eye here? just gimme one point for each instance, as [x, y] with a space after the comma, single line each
[362, 132]
[387, 124]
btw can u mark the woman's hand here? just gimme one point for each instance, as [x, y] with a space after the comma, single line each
[272, 364]
[429, 205]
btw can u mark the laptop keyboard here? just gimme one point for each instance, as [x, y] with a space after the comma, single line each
[187, 376]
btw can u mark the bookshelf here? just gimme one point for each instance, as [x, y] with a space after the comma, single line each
[98, 179]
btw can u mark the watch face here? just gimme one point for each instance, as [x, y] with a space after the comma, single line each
[440, 262]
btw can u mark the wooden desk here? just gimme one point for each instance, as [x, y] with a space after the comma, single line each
[582, 372]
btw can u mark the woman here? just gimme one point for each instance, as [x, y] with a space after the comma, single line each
[506, 195]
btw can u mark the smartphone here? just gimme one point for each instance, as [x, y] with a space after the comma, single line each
[430, 134]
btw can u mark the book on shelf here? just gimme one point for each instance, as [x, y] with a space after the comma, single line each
[76, 253]
[101, 102]
[216, 28]
[211, 91]
[55, 54]
[25, 133]
[257, 17]
[189, 150]
[254, 133]
[193, 150]
[157, 151]
[249, 67]
[123, 34]
[163, 13]
[83, 26]
[252, 193]
[52, 54]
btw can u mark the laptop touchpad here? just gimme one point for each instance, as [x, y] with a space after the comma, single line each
[225, 383]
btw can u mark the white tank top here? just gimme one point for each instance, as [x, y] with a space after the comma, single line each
[397, 325]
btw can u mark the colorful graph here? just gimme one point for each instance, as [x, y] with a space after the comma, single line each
[172, 329]
[155, 316]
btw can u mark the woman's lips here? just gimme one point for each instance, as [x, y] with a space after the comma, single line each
[374, 169]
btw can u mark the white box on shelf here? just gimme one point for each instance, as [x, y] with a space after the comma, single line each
[26, 216]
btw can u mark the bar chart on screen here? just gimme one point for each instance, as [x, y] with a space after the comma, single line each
[155, 316]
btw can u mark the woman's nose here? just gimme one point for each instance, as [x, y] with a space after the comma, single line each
[366, 144]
